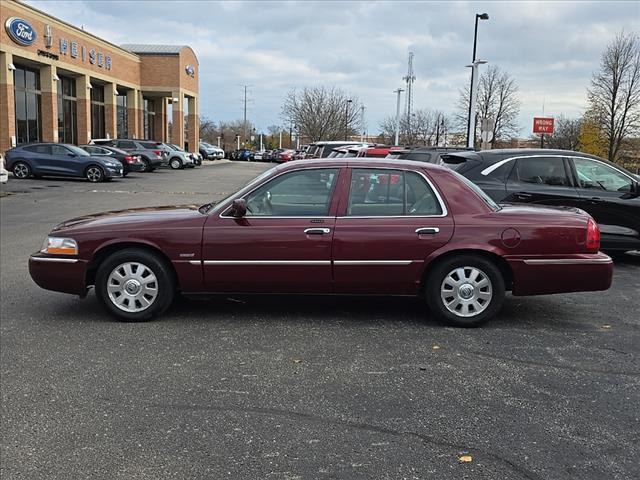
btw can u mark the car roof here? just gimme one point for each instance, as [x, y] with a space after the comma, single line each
[499, 153]
[371, 162]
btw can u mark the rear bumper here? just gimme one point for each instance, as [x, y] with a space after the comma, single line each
[65, 275]
[573, 273]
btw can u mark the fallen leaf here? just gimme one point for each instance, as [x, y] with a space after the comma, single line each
[465, 458]
[606, 327]
[436, 347]
[296, 361]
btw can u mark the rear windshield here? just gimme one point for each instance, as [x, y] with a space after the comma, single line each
[454, 162]
[150, 145]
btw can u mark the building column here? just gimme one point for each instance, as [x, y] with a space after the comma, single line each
[110, 111]
[177, 120]
[7, 103]
[160, 122]
[83, 109]
[141, 114]
[49, 103]
[193, 125]
[133, 110]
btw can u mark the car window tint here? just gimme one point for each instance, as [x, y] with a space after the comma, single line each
[41, 149]
[59, 150]
[126, 144]
[301, 193]
[595, 175]
[376, 192]
[149, 145]
[421, 200]
[541, 170]
[418, 156]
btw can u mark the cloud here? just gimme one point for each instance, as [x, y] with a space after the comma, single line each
[550, 48]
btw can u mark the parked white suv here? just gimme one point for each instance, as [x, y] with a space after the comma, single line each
[178, 158]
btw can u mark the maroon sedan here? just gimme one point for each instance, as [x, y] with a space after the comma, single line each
[331, 226]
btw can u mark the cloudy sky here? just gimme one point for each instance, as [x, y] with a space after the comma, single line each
[550, 48]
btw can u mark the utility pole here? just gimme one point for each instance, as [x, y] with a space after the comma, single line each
[362, 109]
[398, 91]
[244, 114]
[409, 78]
[280, 144]
[346, 120]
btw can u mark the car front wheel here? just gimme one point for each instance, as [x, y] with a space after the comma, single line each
[135, 285]
[465, 291]
[175, 164]
[94, 174]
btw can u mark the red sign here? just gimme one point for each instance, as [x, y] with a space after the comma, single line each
[542, 125]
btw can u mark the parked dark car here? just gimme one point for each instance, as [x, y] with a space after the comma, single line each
[351, 226]
[609, 193]
[130, 162]
[60, 160]
[242, 154]
[323, 149]
[424, 154]
[153, 154]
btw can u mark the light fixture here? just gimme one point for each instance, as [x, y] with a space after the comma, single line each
[115, 92]
[175, 100]
[11, 67]
[89, 87]
[55, 77]
[477, 62]
[482, 16]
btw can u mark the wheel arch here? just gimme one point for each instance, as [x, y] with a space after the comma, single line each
[499, 261]
[104, 251]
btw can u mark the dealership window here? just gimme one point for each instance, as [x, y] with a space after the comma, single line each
[67, 110]
[97, 111]
[122, 121]
[149, 118]
[27, 104]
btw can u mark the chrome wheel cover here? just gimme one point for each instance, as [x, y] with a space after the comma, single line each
[175, 164]
[132, 287]
[94, 174]
[466, 291]
[21, 170]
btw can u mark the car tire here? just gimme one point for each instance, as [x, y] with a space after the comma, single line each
[21, 170]
[176, 164]
[147, 165]
[135, 285]
[465, 290]
[94, 174]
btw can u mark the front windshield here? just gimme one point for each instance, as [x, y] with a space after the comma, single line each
[78, 151]
[244, 189]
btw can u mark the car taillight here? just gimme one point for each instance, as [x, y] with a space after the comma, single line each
[158, 152]
[593, 237]
[129, 159]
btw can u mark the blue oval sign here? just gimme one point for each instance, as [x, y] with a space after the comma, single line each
[190, 70]
[20, 31]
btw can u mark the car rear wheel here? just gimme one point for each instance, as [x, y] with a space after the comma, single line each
[465, 291]
[94, 174]
[21, 170]
[135, 285]
[147, 165]
[175, 164]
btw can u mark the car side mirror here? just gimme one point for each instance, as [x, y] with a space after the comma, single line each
[239, 208]
[71, 155]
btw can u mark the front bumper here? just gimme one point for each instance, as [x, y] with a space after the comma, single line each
[561, 274]
[65, 275]
[113, 172]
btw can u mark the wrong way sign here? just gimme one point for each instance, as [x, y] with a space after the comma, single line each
[543, 125]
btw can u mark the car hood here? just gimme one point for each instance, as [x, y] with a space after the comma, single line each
[150, 217]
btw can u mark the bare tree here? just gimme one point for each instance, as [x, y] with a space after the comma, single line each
[388, 129]
[322, 113]
[615, 91]
[427, 127]
[566, 134]
[497, 99]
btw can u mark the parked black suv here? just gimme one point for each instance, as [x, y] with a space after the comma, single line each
[609, 193]
[424, 154]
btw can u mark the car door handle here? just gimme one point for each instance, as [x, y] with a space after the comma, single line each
[523, 196]
[317, 231]
[427, 230]
[596, 200]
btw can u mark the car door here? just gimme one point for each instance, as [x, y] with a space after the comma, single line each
[388, 224]
[63, 161]
[282, 244]
[39, 157]
[606, 194]
[541, 179]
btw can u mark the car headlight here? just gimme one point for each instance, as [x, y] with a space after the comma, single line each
[59, 246]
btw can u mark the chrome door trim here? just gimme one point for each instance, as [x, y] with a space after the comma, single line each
[317, 231]
[57, 260]
[427, 230]
[372, 262]
[568, 261]
[266, 262]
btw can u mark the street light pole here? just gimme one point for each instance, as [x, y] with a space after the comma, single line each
[346, 120]
[471, 127]
[471, 137]
[398, 91]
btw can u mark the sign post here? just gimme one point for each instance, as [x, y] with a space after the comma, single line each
[543, 125]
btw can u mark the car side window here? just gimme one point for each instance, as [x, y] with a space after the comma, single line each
[593, 175]
[59, 150]
[304, 193]
[421, 200]
[541, 170]
[41, 149]
[126, 144]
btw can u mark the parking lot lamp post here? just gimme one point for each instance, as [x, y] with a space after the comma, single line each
[218, 142]
[398, 91]
[471, 137]
[471, 128]
[346, 120]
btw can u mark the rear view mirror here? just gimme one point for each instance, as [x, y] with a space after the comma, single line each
[239, 208]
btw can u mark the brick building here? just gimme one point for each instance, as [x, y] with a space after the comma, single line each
[59, 83]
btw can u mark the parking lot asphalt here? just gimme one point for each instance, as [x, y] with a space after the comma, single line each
[300, 387]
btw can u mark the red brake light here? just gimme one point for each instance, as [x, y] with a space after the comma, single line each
[593, 236]
[158, 153]
[129, 159]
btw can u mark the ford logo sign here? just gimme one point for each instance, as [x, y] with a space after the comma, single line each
[20, 31]
[190, 70]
